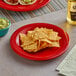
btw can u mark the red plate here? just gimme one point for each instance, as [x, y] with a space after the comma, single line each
[45, 54]
[37, 5]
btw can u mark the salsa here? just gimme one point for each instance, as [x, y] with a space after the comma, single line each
[12, 1]
[3, 23]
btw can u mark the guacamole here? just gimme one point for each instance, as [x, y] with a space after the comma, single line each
[3, 23]
[27, 1]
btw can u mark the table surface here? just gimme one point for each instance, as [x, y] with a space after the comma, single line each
[13, 65]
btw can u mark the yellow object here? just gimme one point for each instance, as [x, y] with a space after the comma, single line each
[71, 16]
[3, 23]
[38, 39]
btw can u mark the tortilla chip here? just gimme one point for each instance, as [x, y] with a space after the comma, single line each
[30, 48]
[39, 38]
[25, 3]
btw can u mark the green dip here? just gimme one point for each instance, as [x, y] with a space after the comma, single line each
[3, 23]
[27, 1]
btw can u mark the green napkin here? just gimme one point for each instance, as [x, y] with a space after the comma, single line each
[68, 66]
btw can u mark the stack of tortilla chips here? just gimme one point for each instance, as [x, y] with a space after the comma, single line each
[38, 39]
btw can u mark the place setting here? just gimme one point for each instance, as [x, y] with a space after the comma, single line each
[22, 5]
[39, 39]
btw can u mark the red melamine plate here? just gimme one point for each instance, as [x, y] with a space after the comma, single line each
[37, 5]
[45, 54]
